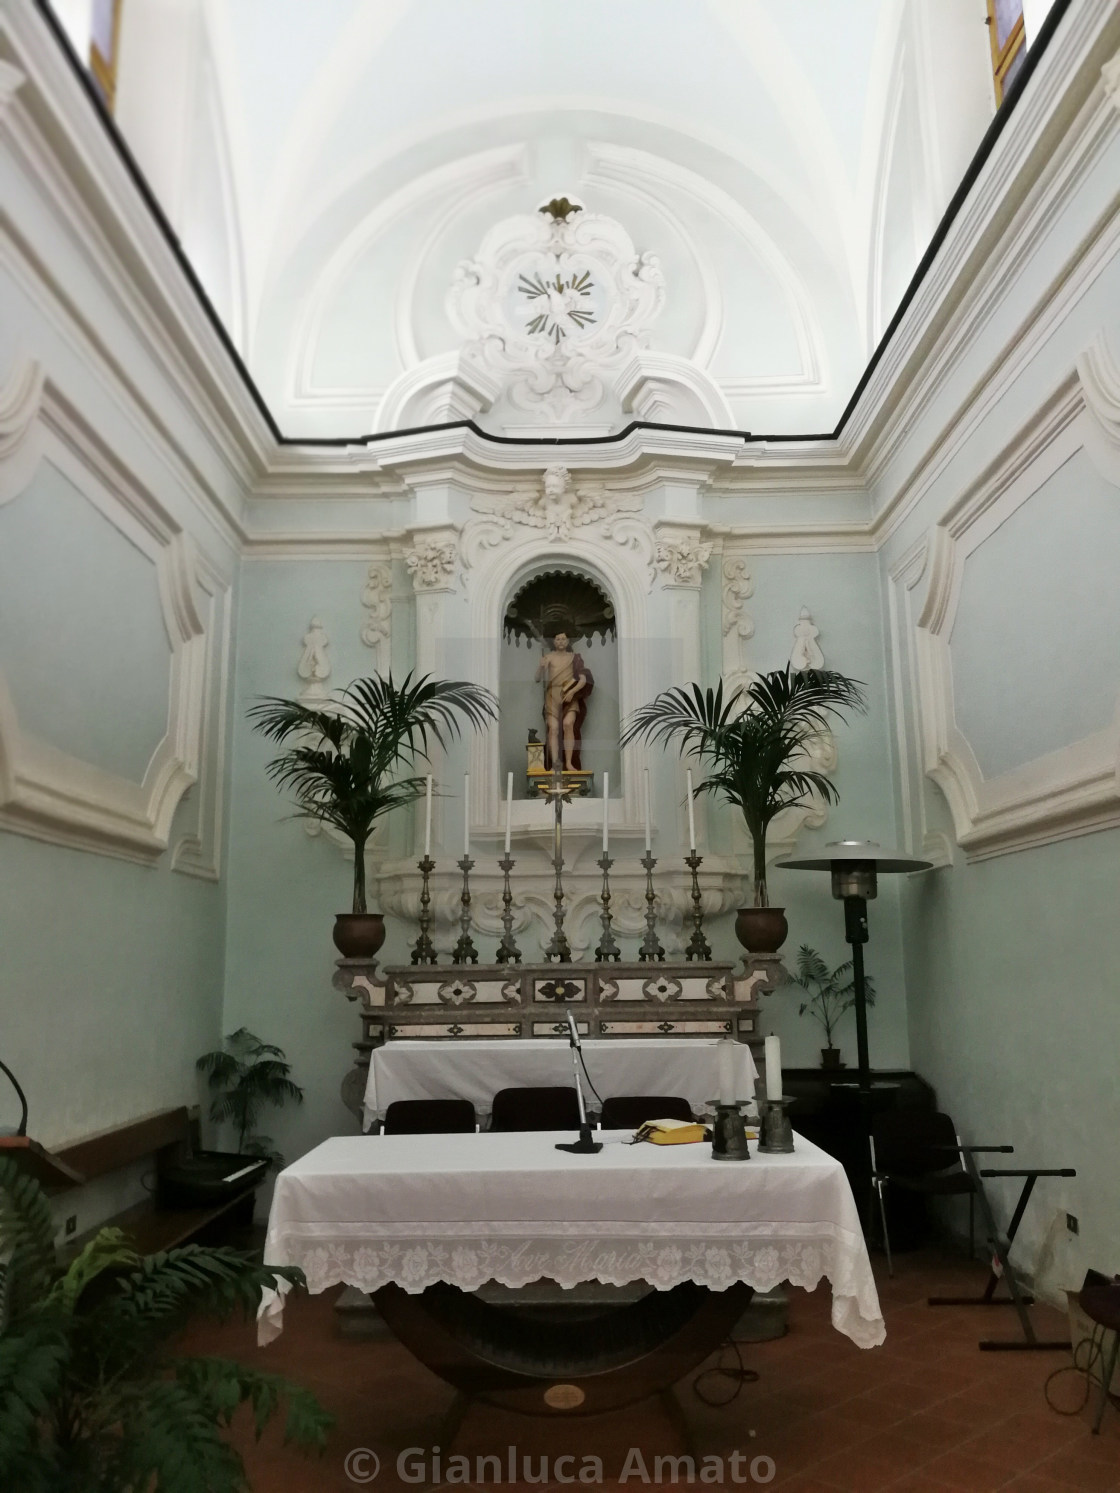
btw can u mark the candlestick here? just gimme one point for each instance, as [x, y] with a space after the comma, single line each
[466, 815]
[423, 950]
[646, 781]
[773, 1068]
[691, 814]
[558, 948]
[428, 819]
[698, 946]
[508, 952]
[465, 951]
[727, 1047]
[775, 1133]
[606, 808]
[509, 807]
[652, 947]
[729, 1134]
[607, 948]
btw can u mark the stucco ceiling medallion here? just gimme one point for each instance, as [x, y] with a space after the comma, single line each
[553, 303]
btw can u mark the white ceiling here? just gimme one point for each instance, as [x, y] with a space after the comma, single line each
[328, 165]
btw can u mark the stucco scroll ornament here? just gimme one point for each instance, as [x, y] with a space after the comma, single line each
[552, 302]
[377, 601]
[738, 624]
[806, 652]
[682, 561]
[431, 564]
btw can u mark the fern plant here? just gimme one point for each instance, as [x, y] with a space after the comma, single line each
[244, 1076]
[91, 1400]
[754, 742]
[831, 992]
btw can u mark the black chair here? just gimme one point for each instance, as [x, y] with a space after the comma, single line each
[918, 1151]
[535, 1109]
[429, 1117]
[628, 1111]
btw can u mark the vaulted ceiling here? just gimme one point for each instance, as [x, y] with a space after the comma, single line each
[328, 166]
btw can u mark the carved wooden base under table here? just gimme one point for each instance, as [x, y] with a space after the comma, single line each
[448, 1002]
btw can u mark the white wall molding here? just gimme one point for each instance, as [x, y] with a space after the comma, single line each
[198, 852]
[1099, 374]
[46, 792]
[1070, 791]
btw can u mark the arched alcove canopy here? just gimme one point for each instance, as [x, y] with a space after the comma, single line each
[559, 599]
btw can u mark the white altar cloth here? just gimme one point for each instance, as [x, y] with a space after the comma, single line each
[466, 1209]
[476, 1070]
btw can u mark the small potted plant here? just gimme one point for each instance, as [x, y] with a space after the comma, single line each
[244, 1075]
[831, 993]
[755, 744]
[341, 760]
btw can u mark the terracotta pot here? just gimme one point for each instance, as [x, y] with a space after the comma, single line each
[358, 935]
[830, 1058]
[761, 930]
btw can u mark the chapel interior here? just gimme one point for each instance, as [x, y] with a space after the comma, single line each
[559, 744]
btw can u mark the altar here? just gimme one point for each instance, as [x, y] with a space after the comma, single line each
[476, 1069]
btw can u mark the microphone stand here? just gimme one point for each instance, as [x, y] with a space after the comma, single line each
[585, 1146]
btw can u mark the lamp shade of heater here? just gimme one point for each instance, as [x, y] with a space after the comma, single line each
[855, 865]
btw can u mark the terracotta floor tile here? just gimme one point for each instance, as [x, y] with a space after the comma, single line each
[1082, 1468]
[956, 1469]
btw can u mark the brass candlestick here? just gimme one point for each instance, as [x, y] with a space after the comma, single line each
[652, 947]
[508, 952]
[698, 946]
[465, 951]
[607, 948]
[423, 950]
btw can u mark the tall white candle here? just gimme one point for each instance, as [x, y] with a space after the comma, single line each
[727, 1093]
[691, 814]
[606, 808]
[466, 814]
[428, 818]
[509, 807]
[773, 1068]
[648, 842]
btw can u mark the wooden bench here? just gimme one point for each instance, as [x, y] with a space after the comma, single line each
[150, 1227]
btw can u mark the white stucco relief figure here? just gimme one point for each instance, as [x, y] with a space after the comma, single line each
[738, 624]
[806, 650]
[553, 303]
[431, 564]
[314, 666]
[682, 561]
[560, 508]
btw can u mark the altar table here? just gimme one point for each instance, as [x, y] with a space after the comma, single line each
[414, 1210]
[476, 1070]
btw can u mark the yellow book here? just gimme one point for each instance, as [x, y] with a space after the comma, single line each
[672, 1132]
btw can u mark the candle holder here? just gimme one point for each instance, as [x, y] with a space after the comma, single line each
[698, 946]
[607, 948]
[558, 948]
[775, 1133]
[652, 947]
[465, 951]
[423, 950]
[508, 952]
[729, 1134]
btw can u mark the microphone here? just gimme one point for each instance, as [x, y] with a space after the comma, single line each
[585, 1146]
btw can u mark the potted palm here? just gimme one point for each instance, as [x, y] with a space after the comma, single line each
[340, 761]
[830, 994]
[755, 744]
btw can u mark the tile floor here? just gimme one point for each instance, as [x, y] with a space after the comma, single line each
[924, 1413]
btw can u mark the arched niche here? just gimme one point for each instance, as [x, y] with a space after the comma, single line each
[559, 597]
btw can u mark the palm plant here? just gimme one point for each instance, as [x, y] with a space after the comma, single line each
[244, 1076]
[341, 759]
[754, 742]
[831, 992]
[90, 1401]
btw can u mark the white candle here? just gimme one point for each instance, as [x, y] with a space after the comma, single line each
[466, 814]
[428, 819]
[648, 842]
[691, 814]
[509, 807]
[773, 1068]
[606, 808]
[727, 1093]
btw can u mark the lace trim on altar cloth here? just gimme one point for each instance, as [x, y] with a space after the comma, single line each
[340, 1254]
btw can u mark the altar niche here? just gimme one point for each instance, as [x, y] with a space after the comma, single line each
[566, 603]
